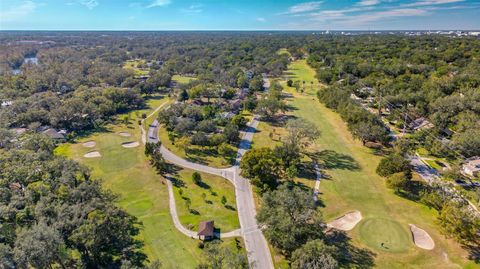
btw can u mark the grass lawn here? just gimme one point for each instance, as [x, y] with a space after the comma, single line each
[268, 135]
[197, 154]
[134, 65]
[434, 164]
[182, 79]
[352, 184]
[283, 51]
[126, 171]
[208, 208]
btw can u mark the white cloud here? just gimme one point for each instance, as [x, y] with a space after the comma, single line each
[195, 8]
[368, 2]
[260, 19]
[17, 12]
[375, 16]
[432, 2]
[304, 7]
[159, 3]
[361, 19]
[90, 4]
[370, 12]
[338, 13]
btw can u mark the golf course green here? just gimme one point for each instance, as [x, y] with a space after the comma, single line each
[384, 235]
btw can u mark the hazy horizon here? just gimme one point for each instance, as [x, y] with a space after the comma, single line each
[248, 15]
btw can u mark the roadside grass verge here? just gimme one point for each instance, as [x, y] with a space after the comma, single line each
[196, 203]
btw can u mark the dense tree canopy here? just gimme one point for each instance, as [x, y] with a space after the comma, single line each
[291, 218]
[53, 213]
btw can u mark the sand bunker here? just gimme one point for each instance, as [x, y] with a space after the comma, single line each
[89, 144]
[132, 144]
[124, 134]
[92, 154]
[347, 221]
[421, 238]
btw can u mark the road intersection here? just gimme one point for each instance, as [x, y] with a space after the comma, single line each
[255, 243]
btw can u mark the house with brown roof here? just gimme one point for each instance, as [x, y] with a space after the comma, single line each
[206, 230]
[15, 186]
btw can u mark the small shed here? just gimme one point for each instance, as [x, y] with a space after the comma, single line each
[206, 230]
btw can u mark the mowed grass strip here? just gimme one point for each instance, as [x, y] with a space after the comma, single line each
[126, 172]
[352, 184]
[182, 79]
[206, 201]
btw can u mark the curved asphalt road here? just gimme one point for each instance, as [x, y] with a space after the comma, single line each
[255, 243]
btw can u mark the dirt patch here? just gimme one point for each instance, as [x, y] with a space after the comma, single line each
[421, 238]
[89, 144]
[92, 154]
[347, 221]
[132, 144]
[125, 134]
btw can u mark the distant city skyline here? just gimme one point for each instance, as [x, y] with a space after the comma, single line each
[239, 15]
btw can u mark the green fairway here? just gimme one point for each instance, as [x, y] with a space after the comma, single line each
[208, 208]
[182, 79]
[352, 184]
[126, 171]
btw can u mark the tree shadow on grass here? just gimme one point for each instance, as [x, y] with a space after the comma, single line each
[88, 132]
[413, 190]
[306, 170]
[172, 175]
[473, 253]
[194, 212]
[153, 97]
[199, 155]
[171, 169]
[348, 255]
[330, 159]
[203, 185]
[229, 207]
[194, 158]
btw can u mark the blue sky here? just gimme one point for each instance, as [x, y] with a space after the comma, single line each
[239, 15]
